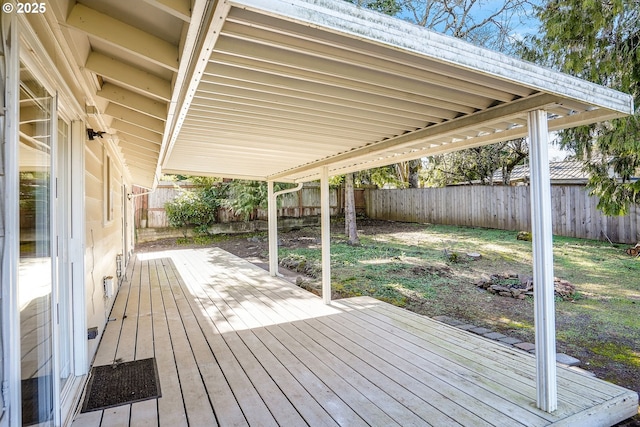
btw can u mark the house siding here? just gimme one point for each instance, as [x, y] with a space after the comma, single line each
[103, 238]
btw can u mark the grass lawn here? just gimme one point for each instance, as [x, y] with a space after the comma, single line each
[425, 268]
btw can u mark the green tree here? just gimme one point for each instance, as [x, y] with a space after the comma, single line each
[244, 197]
[476, 165]
[599, 41]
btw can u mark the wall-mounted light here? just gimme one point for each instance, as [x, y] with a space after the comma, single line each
[92, 134]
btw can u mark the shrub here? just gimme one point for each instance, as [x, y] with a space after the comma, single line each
[197, 207]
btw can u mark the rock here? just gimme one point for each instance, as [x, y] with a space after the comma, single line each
[526, 346]
[480, 330]
[494, 335]
[500, 288]
[524, 235]
[523, 287]
[474, 255]
[567, 360]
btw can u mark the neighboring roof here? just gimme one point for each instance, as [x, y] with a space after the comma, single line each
[568, 172]
[276, 89]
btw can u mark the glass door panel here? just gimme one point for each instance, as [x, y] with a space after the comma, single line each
[63, 209]
[36, 269]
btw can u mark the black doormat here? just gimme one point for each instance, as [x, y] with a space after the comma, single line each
[121, 383]
[37, 405]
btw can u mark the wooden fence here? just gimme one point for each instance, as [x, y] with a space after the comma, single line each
[503, 207]
[303, 203]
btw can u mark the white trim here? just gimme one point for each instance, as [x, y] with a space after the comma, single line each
[325, 221]
[544, 303]
[76, 248]
[191, 69]
[54, 254]
[11, 253]
[341, 17]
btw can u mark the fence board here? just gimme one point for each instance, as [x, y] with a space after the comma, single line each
[574, 212]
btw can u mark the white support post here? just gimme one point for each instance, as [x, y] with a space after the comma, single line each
[272, 209]
[325, 222]
[541, 227]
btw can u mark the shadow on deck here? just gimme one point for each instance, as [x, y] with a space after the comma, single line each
[235, 346]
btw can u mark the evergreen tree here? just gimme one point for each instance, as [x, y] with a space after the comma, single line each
[599, 41]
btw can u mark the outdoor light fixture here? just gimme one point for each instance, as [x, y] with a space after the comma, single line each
[92, 134]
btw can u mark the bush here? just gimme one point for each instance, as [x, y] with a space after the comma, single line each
[198, 208]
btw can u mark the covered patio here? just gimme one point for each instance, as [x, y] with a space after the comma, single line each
[235, 346]
[299, 90]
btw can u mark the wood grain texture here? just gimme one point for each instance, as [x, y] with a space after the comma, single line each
[235, 346]
[574, 212]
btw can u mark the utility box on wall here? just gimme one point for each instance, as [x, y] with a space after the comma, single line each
[109, 289]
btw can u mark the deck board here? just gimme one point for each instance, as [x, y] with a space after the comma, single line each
[235, 346]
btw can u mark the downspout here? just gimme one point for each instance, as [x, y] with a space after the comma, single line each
[272, 207]
[131, 196]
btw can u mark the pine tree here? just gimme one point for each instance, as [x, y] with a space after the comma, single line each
[599, 41]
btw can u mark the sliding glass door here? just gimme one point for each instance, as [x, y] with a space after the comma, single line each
[37, 268]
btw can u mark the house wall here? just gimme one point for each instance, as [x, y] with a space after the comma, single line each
[94, 242]
[103, 238]
[103, 235]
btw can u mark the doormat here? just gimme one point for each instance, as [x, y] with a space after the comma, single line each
[36, 408]
[121, 384]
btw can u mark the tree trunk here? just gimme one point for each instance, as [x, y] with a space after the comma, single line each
[414, 173]
[350, 228]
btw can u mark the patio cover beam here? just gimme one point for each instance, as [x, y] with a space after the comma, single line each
[502, 112]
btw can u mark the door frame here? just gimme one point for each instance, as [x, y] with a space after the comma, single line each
[36, 58]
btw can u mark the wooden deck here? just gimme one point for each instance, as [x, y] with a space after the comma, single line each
[235, 346]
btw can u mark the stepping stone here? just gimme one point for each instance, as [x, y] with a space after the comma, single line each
[466, 326]
[567, 360]
[448, 320]
[526, 346]
[480, 331]
[509, 340]
[494, 335]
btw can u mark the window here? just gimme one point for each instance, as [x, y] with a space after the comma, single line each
[108, 189]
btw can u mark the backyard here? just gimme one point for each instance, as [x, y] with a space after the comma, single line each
[425, 268]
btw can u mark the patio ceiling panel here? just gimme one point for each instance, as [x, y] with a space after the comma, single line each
[134, 54]
[303, 84]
